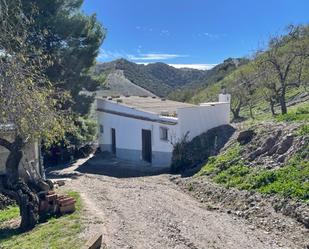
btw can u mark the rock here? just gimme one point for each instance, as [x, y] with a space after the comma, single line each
[281, 159]
[285, 144]
[245, 137]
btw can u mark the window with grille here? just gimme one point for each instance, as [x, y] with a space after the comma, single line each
[163, 133]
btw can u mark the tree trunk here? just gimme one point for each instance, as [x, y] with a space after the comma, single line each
[251, 111]
[236, 112]
[25, 196]
[283, 104]
[272, 107]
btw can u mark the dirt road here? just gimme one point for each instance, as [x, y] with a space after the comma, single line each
[136, 211]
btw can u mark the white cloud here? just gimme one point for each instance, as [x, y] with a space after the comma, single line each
[194, 66]
[211, 35]
[215, 36]
[138, 57]
[155, 56]
[164, 32]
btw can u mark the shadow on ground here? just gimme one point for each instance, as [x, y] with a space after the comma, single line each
[7, 233]
[106, 164]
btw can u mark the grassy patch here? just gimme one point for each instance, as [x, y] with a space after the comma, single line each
[57, 233]
[9, 213]
[303, 130]
[292, 180]
[300, 113]
[216, 164]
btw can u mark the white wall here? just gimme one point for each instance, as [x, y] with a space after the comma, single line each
[129, 130]
[197, 120]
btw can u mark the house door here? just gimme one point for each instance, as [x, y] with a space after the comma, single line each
[113, 141]
[146, 145]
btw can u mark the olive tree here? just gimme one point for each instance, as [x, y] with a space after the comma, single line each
[28, 104]
[281, 66]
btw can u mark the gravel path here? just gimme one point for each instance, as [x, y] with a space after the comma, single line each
[152, 212]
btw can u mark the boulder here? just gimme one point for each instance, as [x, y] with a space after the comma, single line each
[245, 137]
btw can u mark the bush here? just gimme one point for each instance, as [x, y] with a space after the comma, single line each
[187, 155]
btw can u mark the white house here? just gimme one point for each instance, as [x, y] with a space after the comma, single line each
[145, 128]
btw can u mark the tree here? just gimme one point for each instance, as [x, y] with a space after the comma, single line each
[246, 77]
[281, 65]
[237, 92]
[71, 43]
[29, 104]
[242, 86]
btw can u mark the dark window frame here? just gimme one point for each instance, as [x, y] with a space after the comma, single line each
[163, 133]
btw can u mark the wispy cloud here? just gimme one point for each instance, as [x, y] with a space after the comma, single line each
[164, 32]
[139, 56]
[144, 28]
[211, 35]
[194, 66]
[155, 56]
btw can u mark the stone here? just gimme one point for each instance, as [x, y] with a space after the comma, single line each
[285, 144]
[245, 137]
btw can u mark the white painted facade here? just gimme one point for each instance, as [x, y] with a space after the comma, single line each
[128, 123]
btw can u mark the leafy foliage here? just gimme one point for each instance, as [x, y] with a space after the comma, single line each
[85, 131]
[71, 42]
[27, 99]
[187, 155]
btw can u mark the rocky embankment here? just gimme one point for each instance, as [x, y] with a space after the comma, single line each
[265, 146]
[270, 145]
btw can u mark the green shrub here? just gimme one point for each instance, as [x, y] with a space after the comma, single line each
[187, 155]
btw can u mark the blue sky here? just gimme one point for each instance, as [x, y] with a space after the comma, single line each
[196, 33]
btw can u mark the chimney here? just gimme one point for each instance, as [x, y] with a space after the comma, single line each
[224, 96]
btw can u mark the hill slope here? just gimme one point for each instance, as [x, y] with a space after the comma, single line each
[116, 83]
[162, 79]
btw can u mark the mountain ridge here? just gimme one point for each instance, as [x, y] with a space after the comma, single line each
[162, 79]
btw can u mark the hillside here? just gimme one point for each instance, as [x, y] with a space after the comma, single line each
[214, 75]
[162, 79]
[116, 83]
